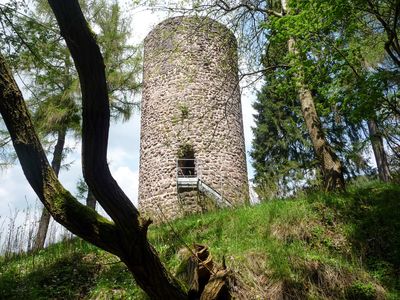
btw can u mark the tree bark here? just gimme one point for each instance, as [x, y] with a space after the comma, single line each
[64, 208]
[44, 221]
[331, 166]
[91, 200]
[41, 233]
[379, 151]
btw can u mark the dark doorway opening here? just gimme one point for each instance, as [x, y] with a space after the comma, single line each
[186, 162]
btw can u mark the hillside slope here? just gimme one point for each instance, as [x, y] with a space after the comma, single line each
[319, 246]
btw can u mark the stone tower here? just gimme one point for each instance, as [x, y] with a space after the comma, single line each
[192, 152]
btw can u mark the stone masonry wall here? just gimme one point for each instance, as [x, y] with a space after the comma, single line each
[190, 97]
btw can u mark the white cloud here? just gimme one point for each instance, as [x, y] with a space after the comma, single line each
[118, 155]
[128, 180]
[15, 192]
[143, 20]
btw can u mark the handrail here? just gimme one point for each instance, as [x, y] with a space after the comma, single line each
[185, 179]
[183, 171]
[205, 188]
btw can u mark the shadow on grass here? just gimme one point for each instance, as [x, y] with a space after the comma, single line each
[377, 230]
[116, 282]
[373, 215]
[69, 277]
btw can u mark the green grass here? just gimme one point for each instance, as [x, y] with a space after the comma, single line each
[317, 246]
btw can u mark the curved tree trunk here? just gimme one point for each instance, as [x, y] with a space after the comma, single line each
[379, 151]
[136, 252]
[126, 236]
[128, 243]
[44, 221]
[331, 166]
[64, 208]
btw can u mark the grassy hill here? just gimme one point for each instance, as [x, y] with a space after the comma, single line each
[317, 246]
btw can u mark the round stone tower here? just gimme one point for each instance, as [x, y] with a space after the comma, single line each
[192, 152]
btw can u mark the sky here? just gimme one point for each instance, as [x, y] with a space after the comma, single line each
[123, 151]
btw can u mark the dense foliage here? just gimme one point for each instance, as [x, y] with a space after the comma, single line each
[342, 50]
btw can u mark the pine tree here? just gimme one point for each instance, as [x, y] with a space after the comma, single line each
[53, 82]
[282, 154]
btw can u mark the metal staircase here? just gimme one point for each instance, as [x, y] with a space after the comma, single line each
[187, 176]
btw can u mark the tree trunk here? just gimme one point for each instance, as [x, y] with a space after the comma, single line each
[379, 151]
[331, 167]
[139, 256]
[41, 234]
[91, 200]
[130, 244]
[45, 217]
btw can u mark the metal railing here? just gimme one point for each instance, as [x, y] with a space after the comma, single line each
[188, 176]
[186, 168]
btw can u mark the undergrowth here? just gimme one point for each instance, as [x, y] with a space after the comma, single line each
[316, 246]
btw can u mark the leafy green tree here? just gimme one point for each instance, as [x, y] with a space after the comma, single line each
[345, 90]
[347, 40]
[330, 165]
[344, 39]
[386, 13]
[282, 152]
[381, 17]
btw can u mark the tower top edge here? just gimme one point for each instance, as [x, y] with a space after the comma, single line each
[190, 22]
